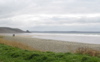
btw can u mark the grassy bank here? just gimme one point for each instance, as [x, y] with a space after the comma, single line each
[13, 54]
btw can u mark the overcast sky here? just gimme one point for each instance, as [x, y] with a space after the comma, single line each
[51, 15]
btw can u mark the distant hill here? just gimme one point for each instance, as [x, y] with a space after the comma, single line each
[65, 31]
[10, 30]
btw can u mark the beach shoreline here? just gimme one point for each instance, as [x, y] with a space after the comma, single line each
[80, 38]
[52, 45]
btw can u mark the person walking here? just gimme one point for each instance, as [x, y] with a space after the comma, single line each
[13, 35]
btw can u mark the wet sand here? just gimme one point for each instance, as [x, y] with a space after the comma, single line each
[52, 45]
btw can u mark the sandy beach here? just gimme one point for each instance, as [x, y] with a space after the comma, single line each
[52, 45]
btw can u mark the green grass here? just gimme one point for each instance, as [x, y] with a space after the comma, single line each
[12, 54]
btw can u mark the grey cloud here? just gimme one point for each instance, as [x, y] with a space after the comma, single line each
[67, 28]
[68, 20]
[9, 8]
[89, 20]
[76, 6]
[15, 8]
[7, 22]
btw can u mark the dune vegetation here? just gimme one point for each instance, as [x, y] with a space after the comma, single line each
[22, 53]
[15, 44]
[88, 51]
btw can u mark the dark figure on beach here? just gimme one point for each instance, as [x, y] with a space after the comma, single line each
[13, 35]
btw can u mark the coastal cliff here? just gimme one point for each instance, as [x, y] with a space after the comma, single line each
[10, 30]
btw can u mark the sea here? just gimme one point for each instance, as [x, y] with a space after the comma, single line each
[90, 38]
